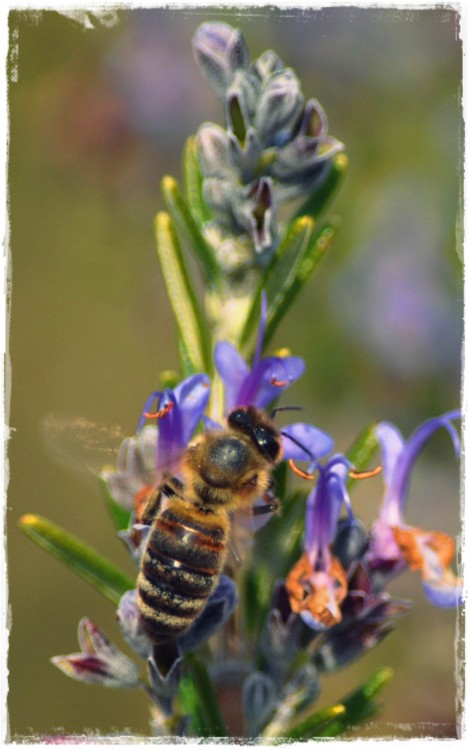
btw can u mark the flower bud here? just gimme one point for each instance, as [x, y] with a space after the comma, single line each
[218, 609]
[350, 542]
[220, 51]
[302, 164]
[100, 661]
[314, 121]
[128, 617]
[258, 700]
[212, 143]
[267, 64]
[346, 646]
[255, 213]
[279, 108]
[240, 103]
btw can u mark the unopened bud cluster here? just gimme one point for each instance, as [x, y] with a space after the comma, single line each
[274, 148]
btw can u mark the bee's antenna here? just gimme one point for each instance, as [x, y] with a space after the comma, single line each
[284, 408]
[299, 444]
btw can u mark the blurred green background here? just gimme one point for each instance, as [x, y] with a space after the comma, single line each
[97, 117]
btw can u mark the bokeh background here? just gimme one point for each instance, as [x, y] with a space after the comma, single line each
[97, 117]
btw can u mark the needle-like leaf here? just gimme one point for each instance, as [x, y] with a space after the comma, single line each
[78, 556]
[314, 252]
[199, 699]
[363, 448]
[193, 182]
[280, 274]
[359, 704]
[188, 312]
[189, 231]
[316, 203]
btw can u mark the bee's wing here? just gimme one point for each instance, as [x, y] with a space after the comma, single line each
[246, 522]
[91, 448]
[79, 444]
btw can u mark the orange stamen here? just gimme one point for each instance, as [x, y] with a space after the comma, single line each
[160, 413]
[279, 383]
[298, 471]
[365, 474]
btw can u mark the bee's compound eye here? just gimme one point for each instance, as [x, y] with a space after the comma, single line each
[239, 418]
[267, 443]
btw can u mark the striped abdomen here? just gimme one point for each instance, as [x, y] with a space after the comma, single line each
[180, 567]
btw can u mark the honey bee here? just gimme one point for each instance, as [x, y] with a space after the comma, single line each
[222, 472]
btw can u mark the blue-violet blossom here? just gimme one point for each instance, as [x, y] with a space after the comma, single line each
[394, 544]
[317, 584]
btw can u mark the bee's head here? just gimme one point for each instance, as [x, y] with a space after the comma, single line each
[255, 425]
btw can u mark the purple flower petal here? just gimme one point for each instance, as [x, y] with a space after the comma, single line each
[447, 592]
[268, 379]
[308, 443]
[402, 473]
[392, 444]
[233, 370]
[192, 396]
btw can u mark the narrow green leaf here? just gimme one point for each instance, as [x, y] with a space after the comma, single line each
[199, 699]
[189, 316]
[186, 363]
[280, 274]
[364, 448]
[316, 723]
[359, 704]
[189, 231]
[318, 201]
[253, 591]
[120, 516]
[340, 726]
[309, 263]
[191, 703]
[193, 182]
[78, 556]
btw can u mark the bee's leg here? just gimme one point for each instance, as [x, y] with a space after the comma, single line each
[152, 506]
[271, 506]
[235, 553]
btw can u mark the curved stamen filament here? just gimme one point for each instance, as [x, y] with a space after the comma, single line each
[279, 383]
[365, 474]
[299, 472]
[160, 413]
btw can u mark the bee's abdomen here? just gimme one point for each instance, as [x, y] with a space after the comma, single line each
[180, 567]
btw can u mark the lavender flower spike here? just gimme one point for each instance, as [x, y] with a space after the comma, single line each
[395, 545]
